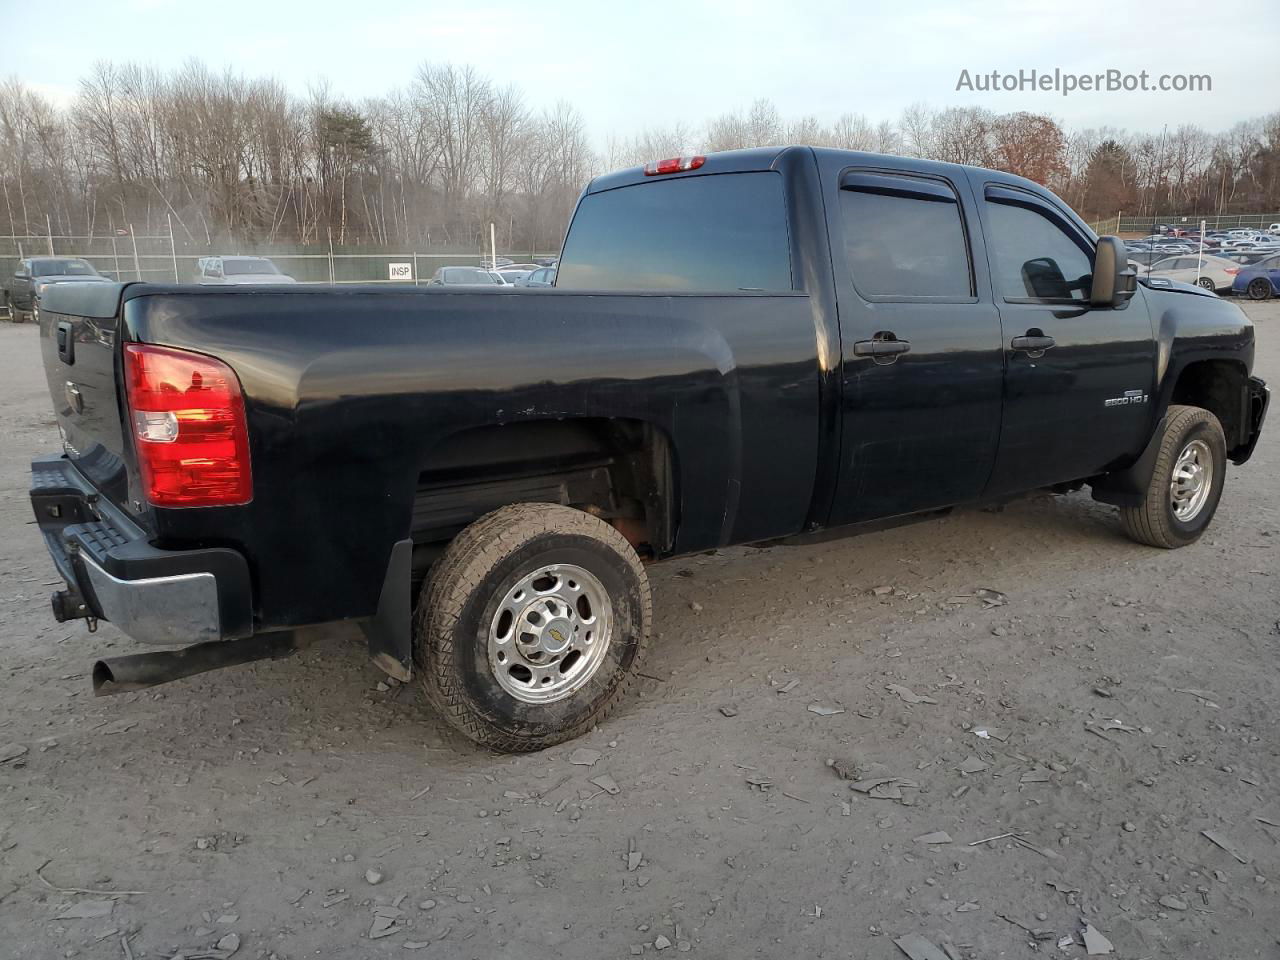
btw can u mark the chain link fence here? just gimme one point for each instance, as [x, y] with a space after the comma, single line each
[161, 259]
[1120, 225]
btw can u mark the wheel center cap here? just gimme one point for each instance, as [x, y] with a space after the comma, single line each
[556, 636]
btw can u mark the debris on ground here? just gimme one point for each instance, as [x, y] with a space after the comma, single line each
[938, 836]
[973, 764]
[1172, 902]
[884, 788]
[1206, 697]
[907, 694]
[585, 757]
[991, 598]
[729, 710]
[1095, 944]
[844, 768]
[12, 751]
[87, 910]
[607, 784]
[991, 733]
[1221, 840]
[373, 876]
[918, 948]
[823, 710]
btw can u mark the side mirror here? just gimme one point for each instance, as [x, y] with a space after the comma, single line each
[1114, 280]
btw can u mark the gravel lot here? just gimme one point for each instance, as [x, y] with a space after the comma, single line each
[1129, 697]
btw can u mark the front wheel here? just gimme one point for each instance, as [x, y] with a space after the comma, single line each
[1185, 485]
[531, 626]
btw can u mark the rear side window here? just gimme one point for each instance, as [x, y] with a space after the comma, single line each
[721, 233]
[904, 237]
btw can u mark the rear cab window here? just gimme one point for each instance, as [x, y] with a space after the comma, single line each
[904, 237]
[710, 233]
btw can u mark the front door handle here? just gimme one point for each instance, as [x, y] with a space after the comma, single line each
[882, 351]
[1032, 343]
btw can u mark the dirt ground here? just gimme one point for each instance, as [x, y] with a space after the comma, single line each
[1128, 697]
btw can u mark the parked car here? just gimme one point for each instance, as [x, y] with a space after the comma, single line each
[23, 291]
[1145, 258]
[1209, 272]
[239, 270]
[465, 277]
[542, 277]
[1274, 229]
[513, 276]
[740, 347]
[1259, 281]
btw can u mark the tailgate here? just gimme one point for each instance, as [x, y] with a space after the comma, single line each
[79, 323]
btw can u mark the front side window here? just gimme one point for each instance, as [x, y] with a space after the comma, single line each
[710, 233]
[1033, 257]
[904, 238]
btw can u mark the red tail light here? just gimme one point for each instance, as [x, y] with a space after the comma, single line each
[1231, 270]
[674, 165]
[189, 427]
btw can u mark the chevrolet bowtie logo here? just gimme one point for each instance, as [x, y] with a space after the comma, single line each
[557, 636]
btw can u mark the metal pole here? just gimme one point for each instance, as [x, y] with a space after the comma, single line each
[137, 267]
[1200, 262]
[415, 268]
[330, 229]
[173, 251]
[115, 255]
[48, 223]
[493, 247]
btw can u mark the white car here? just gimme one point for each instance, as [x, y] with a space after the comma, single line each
[1274, 229]
[1208, 272]
[239, 270]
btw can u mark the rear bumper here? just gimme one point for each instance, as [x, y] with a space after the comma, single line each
[114, 574]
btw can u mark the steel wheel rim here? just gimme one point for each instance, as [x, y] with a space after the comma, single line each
[550, 633]
[1192, 480]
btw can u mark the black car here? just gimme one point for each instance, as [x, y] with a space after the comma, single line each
[35, 274]
[739, 347]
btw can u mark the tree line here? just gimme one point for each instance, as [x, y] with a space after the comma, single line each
[223, 158]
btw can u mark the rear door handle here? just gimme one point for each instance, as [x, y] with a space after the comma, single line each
[1032, 343]
[880, 348]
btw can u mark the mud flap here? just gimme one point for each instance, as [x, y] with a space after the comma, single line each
[1128, 487]
[390, 631]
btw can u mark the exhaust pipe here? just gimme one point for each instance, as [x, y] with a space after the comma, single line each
[142, 670]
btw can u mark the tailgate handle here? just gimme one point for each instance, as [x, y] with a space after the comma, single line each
[66, 343]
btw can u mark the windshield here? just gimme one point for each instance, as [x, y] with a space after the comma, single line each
[62, 268]
[468, 275]
[241, 268]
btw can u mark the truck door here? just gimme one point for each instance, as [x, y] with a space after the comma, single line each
[920, 343]
[1078, 379]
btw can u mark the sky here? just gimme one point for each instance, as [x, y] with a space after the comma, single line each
[636, 65]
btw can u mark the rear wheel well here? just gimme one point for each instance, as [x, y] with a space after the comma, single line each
[620, 470]
[1218, 386]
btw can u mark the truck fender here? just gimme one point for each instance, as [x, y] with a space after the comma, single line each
[1128, 487]
[390, 630]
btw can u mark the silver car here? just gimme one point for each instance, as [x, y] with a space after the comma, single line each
[239, 270]
[1209, 272]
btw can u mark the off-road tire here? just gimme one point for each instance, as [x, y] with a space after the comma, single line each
[458, 601]
[1153, 522]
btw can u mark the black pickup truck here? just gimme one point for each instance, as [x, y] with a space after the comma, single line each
[738, 348]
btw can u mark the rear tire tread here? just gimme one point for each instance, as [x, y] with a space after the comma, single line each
[461, 571]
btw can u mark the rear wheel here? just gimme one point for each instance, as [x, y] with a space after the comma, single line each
[1186, 483]
[1206, 283]
[531, 626]
[1259, 289]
